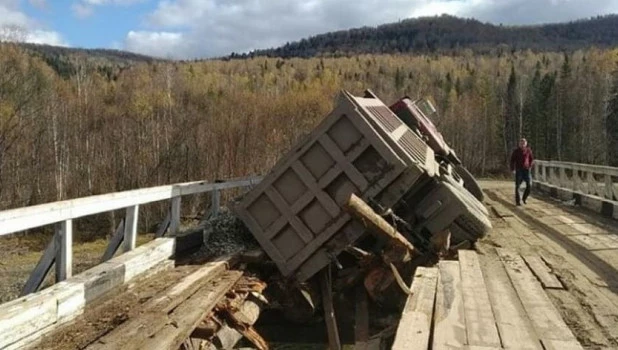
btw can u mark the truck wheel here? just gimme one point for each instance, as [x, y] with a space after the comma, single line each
[473, 222]
[470, 183]
[470, 226]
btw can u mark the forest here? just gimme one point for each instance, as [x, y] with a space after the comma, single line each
[450, 35]
[152, 123]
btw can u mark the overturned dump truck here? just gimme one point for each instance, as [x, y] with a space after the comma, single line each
[363, 148]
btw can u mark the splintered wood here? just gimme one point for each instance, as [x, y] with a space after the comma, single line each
[499, 304]
[212, 302]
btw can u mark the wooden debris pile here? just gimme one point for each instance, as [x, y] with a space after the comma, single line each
[232, 319]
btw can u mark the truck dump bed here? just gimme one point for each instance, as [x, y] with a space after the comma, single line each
[360, 148]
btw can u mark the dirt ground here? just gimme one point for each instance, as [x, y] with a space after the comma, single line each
[584, 261]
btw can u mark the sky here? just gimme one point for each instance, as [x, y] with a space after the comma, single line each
[187, 29]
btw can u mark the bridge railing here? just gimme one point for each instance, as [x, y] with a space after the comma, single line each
[59, 250]
[596, 180]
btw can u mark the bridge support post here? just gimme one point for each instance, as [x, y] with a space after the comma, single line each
[130, 228]
[64, 250]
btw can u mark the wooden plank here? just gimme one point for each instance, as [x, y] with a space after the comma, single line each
[114, 243]
[187, 316]
[175, 216]
[524, 231]
[24, 316]
[500, 210]
[514, 327]
[553, 344]
[545, 319]
[130, 228]
[329, 309]
[20, 219]
[150, 319]
[480, 322]
[542, 272]
[361, 318]
[587, 228]
[64, 250]
[414, 327]
[187, 286]
[448, 321]
[37, 276]
[145, 257]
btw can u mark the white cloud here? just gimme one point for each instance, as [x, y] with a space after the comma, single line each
[11, 15]
[219, 27]
[15, 25]
[81, 10]
[158, 44]
[85, 8]
[45, 37]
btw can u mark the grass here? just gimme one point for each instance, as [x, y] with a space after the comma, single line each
[19, 256]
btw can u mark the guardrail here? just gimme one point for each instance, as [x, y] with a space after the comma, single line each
[59, 250]
[595, 180]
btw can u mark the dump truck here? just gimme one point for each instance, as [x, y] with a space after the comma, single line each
[361, 148]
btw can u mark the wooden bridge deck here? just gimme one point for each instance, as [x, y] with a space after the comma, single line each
[545, 278]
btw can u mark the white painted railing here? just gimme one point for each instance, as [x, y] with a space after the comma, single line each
[596, 180]
[59, 250]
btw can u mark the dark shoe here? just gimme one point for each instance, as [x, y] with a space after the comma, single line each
[518, 204]
[524, 202]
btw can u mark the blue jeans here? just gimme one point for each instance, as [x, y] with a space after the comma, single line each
[522, 175]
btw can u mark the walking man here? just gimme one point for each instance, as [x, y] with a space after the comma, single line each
[521, 162]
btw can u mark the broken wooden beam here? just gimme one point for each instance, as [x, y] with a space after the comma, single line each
[181, 322]
[236, 325]
[329, 310]
[361, 327]
[414, 329]
[153, 315]
[376, 224]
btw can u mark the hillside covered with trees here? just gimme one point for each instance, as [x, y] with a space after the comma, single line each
[150, 123]
[449, 35]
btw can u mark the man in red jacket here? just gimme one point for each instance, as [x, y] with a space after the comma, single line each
[521, 162]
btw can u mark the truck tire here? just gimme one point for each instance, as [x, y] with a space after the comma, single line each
[470, 183]
[469, 226]
[466, 195]
[473, 223]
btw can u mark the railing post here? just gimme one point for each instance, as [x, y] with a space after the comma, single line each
[575, 178]
[216, 199]
[130, 228]
[175, 215]
[592, 183]
[544, 173]
[563, 177]
[64, 250]
[609, 187]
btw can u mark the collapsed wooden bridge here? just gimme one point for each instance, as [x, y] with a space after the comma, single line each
[546, 277]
